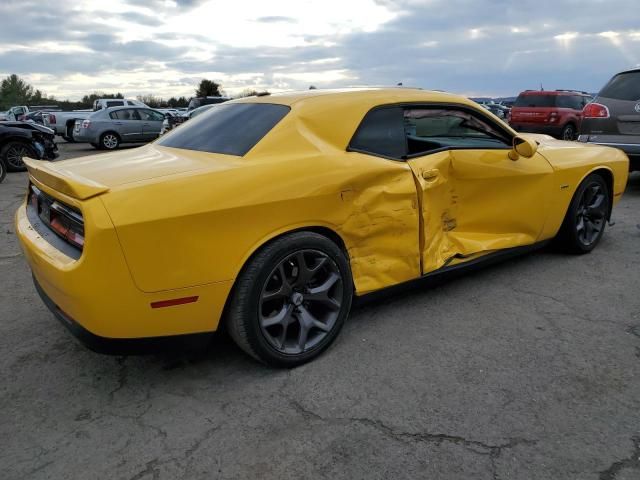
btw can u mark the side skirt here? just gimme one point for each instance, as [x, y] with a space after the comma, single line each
[449, 272]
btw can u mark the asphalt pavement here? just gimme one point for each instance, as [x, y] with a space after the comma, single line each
[529, 369]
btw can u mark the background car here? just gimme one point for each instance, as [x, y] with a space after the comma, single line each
[111, 127]
[102, 103]
[498, 110]
[613, 118]
[36, 117]
[268, 215]
[25, 139]
[557, 113]
[196, 102]
[172, 121]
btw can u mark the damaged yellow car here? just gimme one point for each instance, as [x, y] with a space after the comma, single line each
[269, 214]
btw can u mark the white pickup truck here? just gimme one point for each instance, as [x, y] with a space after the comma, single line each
[62, 122]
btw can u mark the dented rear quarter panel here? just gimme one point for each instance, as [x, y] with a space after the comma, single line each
[201, 227]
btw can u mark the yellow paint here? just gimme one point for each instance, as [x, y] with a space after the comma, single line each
[163, 223]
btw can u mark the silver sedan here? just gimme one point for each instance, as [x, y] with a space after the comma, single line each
[108, 128]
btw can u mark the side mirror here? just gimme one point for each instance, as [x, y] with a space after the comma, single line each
[522, 147]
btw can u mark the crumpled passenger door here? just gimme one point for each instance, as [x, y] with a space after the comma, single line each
[479, 201]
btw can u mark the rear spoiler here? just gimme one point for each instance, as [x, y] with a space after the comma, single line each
[63, 181]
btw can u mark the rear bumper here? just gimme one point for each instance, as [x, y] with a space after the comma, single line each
[553, 130]
[96, 294]
[122, 346]
[84, 136]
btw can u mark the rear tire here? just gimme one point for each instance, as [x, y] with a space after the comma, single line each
[586, 218]
[12, 154]
[69, 134]
[290, 300]
[568, 132]
[109, 141]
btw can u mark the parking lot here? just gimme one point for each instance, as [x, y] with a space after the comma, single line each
[524, 370]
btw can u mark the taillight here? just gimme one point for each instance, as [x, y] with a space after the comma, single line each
[86, 123]
[52, 119]
[595, 110]
[65, 221]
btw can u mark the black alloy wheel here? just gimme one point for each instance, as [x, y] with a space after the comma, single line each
[291, 299]
[587, 216]
[300, 301]
[13, 152]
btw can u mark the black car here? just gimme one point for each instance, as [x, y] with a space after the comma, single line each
[25, 139]
[613, 118]
[34, 117]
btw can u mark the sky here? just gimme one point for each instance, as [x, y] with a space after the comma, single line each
[165, 47]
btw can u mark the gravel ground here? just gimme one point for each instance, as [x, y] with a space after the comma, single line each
[524, 370]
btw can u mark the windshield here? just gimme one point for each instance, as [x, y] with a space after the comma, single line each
[232, 129]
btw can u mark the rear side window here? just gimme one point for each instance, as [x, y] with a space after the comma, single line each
[534, 101]
[570, 101]
[624, 86]
[125, 114]
[232, 129]
[151, 116]
[381, 133]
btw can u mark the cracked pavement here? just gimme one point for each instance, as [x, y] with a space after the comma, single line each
[524, 370]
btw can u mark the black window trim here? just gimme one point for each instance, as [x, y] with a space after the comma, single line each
[508, 137]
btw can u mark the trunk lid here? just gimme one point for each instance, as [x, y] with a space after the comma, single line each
[86, 177]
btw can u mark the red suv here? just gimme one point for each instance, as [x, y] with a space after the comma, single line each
[557, 113]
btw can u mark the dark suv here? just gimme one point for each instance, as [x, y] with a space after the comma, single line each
[613, 118]
[557, 112]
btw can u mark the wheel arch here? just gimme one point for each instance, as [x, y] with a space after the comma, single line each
[607, 174]
[326, 231]
[102, 134]
[15, 138]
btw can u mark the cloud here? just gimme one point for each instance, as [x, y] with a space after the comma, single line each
[276, 19]
[164, 47]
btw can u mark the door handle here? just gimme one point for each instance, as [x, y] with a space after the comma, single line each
[117, 123]
[430, 175]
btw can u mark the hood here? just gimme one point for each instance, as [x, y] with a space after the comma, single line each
[558, 152]
[29, 126]
[85, 177]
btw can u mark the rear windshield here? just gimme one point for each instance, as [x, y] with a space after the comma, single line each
[624, 86]
[535, 101]
[232, 129]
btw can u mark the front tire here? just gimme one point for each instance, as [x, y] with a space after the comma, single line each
[586, 218]
[291, 300]
[13, 152]
[3, 170]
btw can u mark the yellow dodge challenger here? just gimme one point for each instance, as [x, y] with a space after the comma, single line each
[269, 214]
